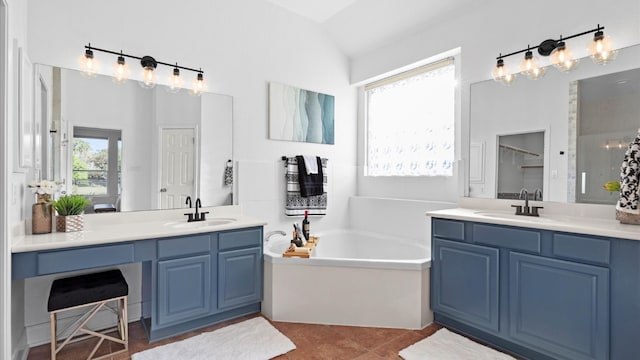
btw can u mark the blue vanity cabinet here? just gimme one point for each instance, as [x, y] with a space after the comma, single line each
[559, 307]
[466, 277]
[184, 288]
[184, 279]
[239, 268]
[541, 294]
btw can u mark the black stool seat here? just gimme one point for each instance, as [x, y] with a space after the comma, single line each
[86, 289]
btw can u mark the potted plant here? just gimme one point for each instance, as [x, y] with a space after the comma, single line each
[70, 209]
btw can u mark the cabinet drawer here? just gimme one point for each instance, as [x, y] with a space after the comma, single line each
[580, 247]
[507, 237]
[449, 229]
[183, 246]
[240, 239]
[84, 258]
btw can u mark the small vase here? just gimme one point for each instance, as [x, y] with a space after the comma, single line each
[70, 223]
[41, 215]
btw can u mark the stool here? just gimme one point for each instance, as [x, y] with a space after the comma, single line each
[95, 290]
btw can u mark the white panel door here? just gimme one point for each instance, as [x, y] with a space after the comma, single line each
[178, 170]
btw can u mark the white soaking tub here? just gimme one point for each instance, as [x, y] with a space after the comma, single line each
[352, 278]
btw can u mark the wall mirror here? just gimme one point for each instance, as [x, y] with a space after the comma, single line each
[552, 104]
[168, 145]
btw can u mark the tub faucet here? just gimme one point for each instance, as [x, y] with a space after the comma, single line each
[268, 236]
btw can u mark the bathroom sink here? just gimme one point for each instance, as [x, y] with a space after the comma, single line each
[512, 216]
[199, 224]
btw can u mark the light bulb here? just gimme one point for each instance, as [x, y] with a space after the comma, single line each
[199, 85]
[501, 73]
[601, 49]
[175, 81]
[121, 71]
[89, 64]
[529, 66]
[562, 58]
[148, 72]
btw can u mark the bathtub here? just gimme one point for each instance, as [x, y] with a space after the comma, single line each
[352, 278]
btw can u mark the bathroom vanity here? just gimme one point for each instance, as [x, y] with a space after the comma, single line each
[193, 274]
[543, 288]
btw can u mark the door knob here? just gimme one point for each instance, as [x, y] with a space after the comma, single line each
[163, 190]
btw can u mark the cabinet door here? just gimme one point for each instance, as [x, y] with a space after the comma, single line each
[465, 283]
[184, 289]
[558, 307]
[239, 277]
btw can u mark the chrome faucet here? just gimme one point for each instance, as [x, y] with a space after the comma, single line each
[196, 216]
[268, 236]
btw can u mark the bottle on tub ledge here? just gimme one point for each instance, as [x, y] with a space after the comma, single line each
[305, 225]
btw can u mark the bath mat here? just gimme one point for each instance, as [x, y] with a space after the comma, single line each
[446, 345]
[253, 339]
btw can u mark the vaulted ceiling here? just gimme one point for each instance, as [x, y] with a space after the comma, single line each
[359, 26]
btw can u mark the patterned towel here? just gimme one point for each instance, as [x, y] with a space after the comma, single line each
[629, 177]
[296, 204]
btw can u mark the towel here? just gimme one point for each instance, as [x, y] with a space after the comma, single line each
[228, 173]
[310, 184]
[629, 175]
[295, 204]
[311, 164]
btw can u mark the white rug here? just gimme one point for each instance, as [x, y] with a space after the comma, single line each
[446, 345]
[253, 339]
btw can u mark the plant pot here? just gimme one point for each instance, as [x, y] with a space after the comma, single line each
[70, 223]
[627, 218]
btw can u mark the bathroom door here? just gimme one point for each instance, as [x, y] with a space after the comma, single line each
[178, 171]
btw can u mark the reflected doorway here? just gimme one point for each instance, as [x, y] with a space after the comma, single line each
[177, 171]
[521, 165]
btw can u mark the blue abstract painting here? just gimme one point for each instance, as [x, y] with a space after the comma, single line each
[300, 115]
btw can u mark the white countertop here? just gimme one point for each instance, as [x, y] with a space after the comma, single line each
[127, 226]
[548, 220]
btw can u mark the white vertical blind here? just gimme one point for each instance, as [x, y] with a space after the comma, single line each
[410, 122]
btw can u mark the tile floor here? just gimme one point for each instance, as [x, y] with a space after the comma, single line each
[312, 342]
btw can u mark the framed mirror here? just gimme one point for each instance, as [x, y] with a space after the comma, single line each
[550, 104]
[168, 145]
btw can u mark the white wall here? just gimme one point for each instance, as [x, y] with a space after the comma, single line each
[241, 45]
[483, 31]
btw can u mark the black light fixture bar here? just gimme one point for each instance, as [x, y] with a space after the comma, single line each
[89, 47]
[550, 43]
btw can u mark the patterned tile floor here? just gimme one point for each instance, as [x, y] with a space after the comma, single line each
[312, 342]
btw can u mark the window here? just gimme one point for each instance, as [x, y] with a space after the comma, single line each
[410, 122]
[96, 162]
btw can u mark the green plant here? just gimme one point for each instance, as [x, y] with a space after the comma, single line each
[70, 205]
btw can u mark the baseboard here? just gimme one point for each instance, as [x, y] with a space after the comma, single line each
[39, 334]
[20, 348]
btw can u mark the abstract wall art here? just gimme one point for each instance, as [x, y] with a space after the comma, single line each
[300, 115]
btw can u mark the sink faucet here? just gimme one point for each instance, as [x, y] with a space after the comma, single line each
[188, 202]
[197, 215]
[526, 210]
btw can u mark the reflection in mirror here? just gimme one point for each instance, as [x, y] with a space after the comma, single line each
[550, 104]
[520, 165]
[607, 120]
[173, 145]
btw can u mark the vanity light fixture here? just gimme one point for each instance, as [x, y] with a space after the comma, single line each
[600, 49]
[149, 70]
